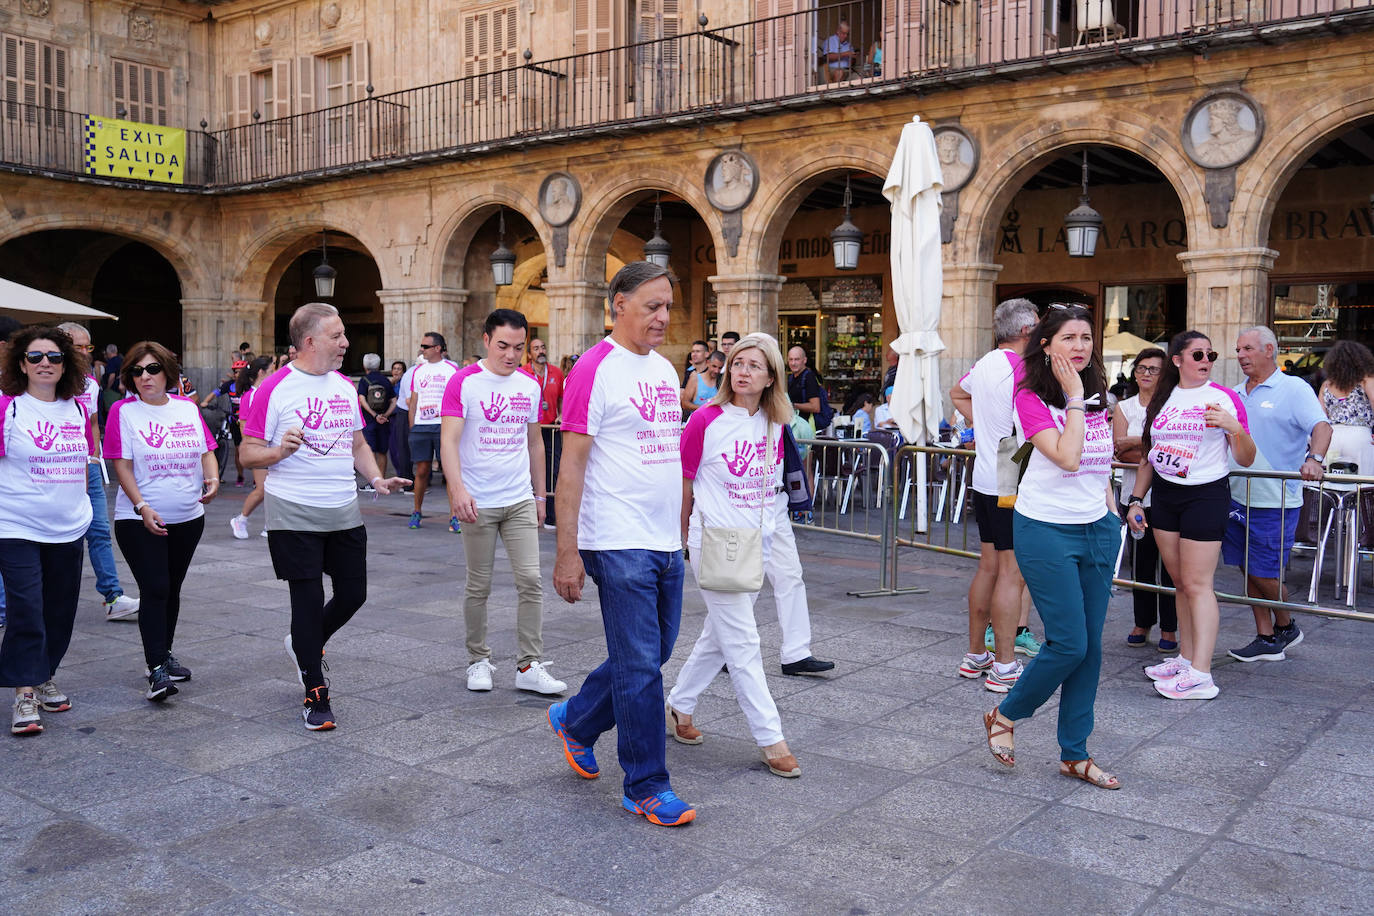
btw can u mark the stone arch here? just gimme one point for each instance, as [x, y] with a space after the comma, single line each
[983, 201]
[603, 215]
[1307, 132]
[266, 257]
[196, 273]
[449, 256]
[777, 204]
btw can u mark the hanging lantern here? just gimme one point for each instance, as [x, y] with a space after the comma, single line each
[324, 275]
[846, 238]
[657, 250]
[1083, 225]
[502, 259]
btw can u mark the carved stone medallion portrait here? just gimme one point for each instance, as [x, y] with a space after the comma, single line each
[560, 197]
[330, 15]
[1222, 129]
[141, 26]
[731, 180]
[958, 157]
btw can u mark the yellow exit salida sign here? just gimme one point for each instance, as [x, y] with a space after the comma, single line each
[130, 150]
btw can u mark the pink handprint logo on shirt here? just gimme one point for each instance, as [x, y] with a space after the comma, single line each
[645, 403]
[493, 410]
[314, 413]
[744, 456]
[1164, 416]
[43, 435]
[155, 436]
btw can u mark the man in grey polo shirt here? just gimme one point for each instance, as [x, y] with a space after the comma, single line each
[1292, 434]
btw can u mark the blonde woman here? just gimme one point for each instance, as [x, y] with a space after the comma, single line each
[732, 477]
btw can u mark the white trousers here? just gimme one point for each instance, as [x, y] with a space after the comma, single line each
[784, 570]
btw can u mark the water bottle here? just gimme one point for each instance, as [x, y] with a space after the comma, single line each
[1139, 516]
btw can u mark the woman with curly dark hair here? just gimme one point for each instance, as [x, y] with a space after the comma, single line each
[45, 441]
[1347, 396]
[1066, 535]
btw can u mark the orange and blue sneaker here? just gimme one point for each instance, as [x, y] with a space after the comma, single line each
[664, 809]
[580, 758]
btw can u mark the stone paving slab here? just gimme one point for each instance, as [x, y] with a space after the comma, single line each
[432, 799]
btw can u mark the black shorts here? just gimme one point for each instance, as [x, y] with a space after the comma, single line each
[236, 433]
[1197, 513]
[310, 554]
[994, 522]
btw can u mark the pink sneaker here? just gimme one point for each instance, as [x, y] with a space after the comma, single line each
[1167, 669]
[1190, 685]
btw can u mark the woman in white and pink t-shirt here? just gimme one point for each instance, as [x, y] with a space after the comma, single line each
[164, 457]
[45, 440]
[1193, 427]
[1066, 534]
[732, 477]
[248, 380]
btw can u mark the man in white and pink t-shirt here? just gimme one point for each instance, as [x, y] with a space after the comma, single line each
[305, 424]
[494, 464]
[619, 515]
[424, 402]
[118, 606]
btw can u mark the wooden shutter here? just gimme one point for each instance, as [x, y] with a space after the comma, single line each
[362, 71]
[20, 76]
[305, 84]
[281, 88]
[594, 30]
[54, 77]
[504, 46]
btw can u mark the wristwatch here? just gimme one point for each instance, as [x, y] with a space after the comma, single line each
[1320, 459]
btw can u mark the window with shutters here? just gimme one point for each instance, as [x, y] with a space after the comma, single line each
[656, 26]
[35, 75]
[489, 54]
[335, 88]
[140, 92]
[594, 30]
[263, 97]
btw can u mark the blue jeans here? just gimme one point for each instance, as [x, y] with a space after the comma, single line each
[98, 537]
[641, 608]
[1068, 569]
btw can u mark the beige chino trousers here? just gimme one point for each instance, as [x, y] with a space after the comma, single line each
[518, 528]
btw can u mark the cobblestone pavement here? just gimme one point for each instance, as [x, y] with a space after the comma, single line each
[432, 799]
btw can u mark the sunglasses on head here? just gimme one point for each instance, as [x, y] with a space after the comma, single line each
[35, 357]
[151, 369]
[1069, 307]
[1209, 355]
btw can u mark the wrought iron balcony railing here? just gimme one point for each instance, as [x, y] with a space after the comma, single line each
[788, 60]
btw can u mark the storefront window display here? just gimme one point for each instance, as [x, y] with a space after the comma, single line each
[1310, 317]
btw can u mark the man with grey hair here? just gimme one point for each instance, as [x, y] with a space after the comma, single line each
[117, 605]
[377, 398]
[620, 521]
[1291, 433]
[305, 424]
[985, 395]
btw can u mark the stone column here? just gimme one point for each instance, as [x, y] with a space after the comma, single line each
[577, 316]
[747, 302]
[409, 314]
[1228, 290]
[970, 295]
[212, 329]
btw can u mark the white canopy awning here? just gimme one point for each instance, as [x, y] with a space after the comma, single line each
[28, 304]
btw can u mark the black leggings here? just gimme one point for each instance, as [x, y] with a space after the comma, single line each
[313, 621]
[1145, 563]
[159, 564]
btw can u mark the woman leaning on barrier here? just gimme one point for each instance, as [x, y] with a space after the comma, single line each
[1066, 533]
[1347, 396]
[1193, 428]
[1128, 422]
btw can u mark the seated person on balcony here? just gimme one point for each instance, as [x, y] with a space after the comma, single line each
[875, 58]
[837, 54]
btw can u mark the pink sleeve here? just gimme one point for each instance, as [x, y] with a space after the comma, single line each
[254, 420]
[1241, 415]
[577, 393]
[90, 427]
[210, 443]
[452, 405]
[965, 384]
[5, 402]
[114, 441]
[1034, 415]
[693, 440]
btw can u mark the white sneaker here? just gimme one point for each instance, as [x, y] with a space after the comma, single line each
[264, 532]
[121, 608]
[25, 719]
[239, 525]
[479, 675]
[537, 678]
[1168, 669]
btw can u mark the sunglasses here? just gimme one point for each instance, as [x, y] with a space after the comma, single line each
[35, 357]
[1210, 356]
[151, 369]
[1069, 307]
[425, 346]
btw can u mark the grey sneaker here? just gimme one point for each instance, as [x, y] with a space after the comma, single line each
[1288, 636]
[25, 720]
[52, 699]
[1260, 649]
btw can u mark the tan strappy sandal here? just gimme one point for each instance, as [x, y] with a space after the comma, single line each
[1005, 753]
[682, 733]
[1089, 772]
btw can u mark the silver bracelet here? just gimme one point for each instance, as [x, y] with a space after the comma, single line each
[1077, 407]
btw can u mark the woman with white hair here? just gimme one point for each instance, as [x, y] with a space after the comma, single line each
[732, 477]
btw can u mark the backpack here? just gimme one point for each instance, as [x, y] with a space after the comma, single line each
[377, 397]
[826, 415]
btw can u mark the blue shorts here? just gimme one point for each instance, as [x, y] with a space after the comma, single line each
[424, 443]
[1269, 537]
[377, 436]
